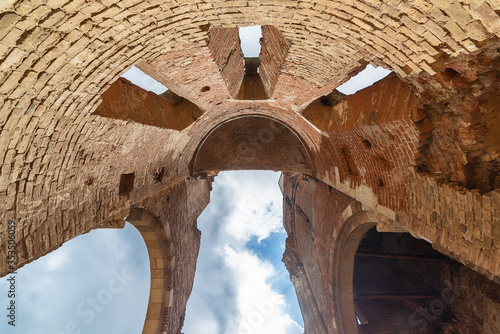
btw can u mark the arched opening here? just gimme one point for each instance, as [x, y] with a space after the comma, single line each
[389, 282]
[402, 285]
[95, 283]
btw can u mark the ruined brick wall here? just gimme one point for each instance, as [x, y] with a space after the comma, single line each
[460, 223]
[224, 43]
[126, 101]
[314, 214]
[274, 49]
[178, 207]
[58, 57]
[476, 304]
[373, 139]
[459, 117]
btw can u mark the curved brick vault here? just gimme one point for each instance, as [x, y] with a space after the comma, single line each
[418, 152]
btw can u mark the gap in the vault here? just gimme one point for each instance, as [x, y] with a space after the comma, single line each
[241, 286]
[363, 79]
[141, 79]
[250, 40]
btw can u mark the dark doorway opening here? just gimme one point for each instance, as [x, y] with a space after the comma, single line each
[402, 285]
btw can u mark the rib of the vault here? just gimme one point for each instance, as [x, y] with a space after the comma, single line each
[225, 46]
[191, 72]
[272, 57]
[126, 101]
[296, 70]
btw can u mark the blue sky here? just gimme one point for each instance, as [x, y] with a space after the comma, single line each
[99, 282]
[95, 283]
[242, 242]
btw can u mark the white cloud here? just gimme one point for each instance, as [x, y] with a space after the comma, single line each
[57, 259]
[256, 205]
[262, 310]
[233, 286]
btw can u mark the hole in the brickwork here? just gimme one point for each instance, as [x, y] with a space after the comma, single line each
[241, 285]
[250, 40]
[363, 79]
[449, 73]
[86, 285]
[141, 79]
[380, 182]
[126, 184]
[367, 143]
[89, 181]
[351, 168]
[332, 99]
[205, 27]
[205, 89]
[159, 174]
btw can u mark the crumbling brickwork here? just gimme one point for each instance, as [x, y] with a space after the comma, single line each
[315, 218]
[433, 124]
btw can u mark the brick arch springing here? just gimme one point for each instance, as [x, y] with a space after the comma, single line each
[160, 250]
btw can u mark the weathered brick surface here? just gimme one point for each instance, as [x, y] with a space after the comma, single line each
[178, 207]
[126, 101]
[387, 100]
[61, 164]
[274, 49]
[460, 223]
[192, 73]
[458, 119]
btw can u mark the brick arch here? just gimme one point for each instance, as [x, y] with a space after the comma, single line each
[160, 250]
[252, 142]
[346, 246]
